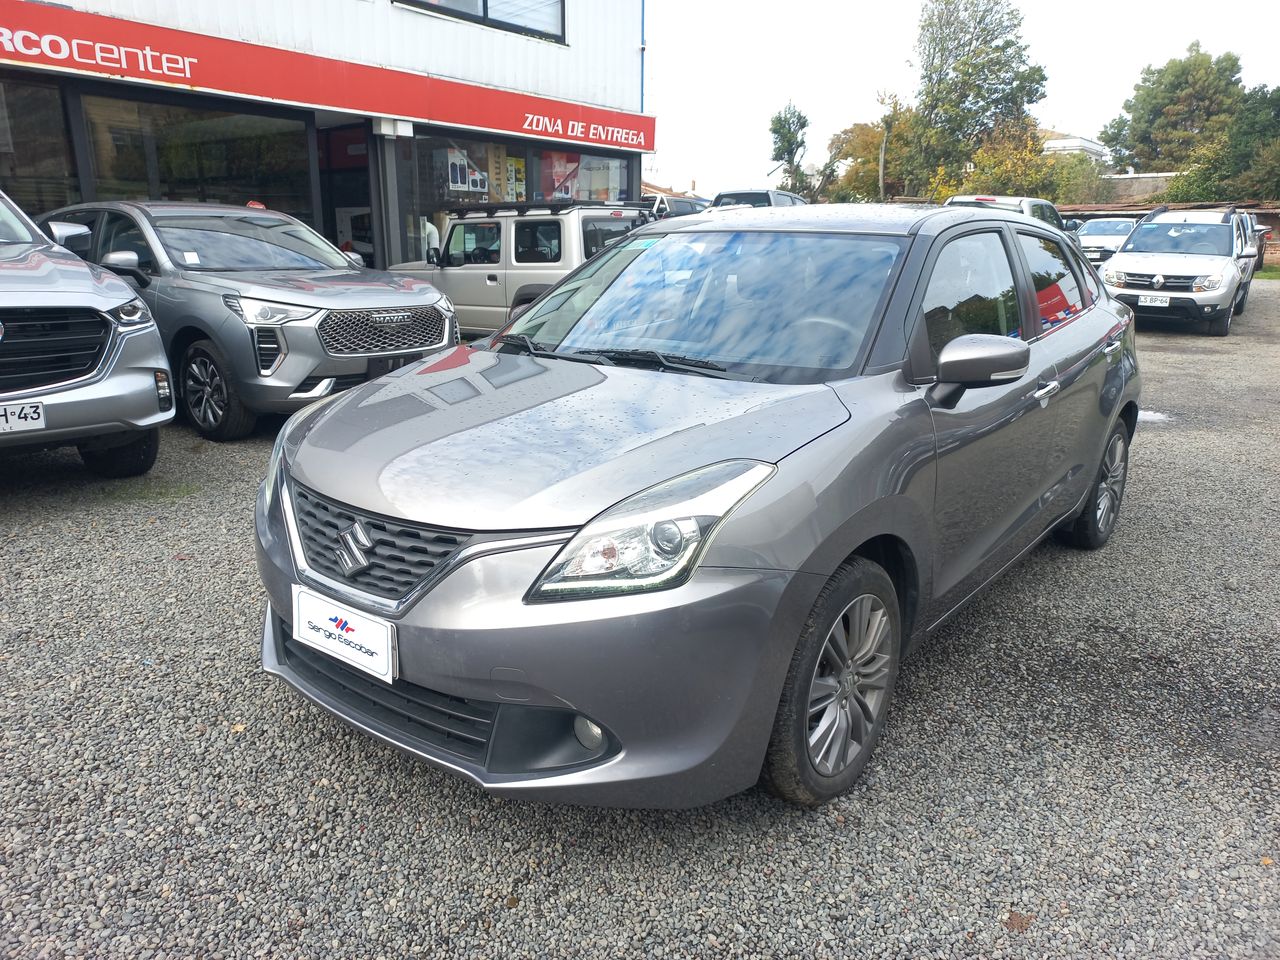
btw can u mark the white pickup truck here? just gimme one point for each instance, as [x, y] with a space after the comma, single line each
[503, 256]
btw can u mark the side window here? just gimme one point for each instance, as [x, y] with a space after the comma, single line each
[538, 241]
[971, 290]
[475, 243]
[598, 233]
[123, 233]
[1051, 216]
[80, 246]
[1057, 292]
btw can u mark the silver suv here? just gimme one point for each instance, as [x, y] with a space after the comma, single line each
[498, 258]
[81, 362]
[1186, 264]
[259, 313]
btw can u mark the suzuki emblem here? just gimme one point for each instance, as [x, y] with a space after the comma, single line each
[352, 544]
[1158, 281]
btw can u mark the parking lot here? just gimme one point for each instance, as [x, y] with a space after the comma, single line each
[1085, 763]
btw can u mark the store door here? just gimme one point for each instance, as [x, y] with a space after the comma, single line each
[345, 194]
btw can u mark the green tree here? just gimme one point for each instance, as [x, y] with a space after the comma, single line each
[1078, 179]
[787, 127]
[1201, 179]
[974, 75]
[1255, 126]
[1174, 109]
[1261, 181]
[1011, 161]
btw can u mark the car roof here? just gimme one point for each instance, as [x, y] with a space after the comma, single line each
[993, 198]
[1193, 216]
[895, 219]
[173, 207]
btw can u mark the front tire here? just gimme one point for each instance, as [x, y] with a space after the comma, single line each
[130, 459]
[1092, 529]
[209, 397]
[1221, 326]
[838, 688]
[1244, 298]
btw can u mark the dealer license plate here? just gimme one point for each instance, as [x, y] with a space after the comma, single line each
[1153, 301]
[357, 639]
[21, 416]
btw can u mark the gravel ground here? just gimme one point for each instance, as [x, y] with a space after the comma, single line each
[1086, 763]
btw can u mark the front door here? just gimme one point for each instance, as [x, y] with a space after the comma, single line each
[993, 444]
[472, 274]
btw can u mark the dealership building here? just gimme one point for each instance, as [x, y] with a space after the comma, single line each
[366, 118]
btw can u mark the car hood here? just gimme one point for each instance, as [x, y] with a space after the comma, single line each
[478, 440]
[27, 268]
[1170, 264]
[331, 289]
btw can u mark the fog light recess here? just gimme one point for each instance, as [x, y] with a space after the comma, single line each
[164, 392]
[588, 733]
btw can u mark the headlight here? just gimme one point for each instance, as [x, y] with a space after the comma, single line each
[274, 464]
[651, 541]
[264, 311]
[445, 304]
[132, 314]
[1115, 278]
[1201, 284]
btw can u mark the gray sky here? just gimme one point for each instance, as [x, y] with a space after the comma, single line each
[717, 70]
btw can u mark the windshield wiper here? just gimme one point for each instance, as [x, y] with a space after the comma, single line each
[670, 361]
[535, 349]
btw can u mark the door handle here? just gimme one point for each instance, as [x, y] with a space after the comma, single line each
[492, 278]
[1112, 348]
[1047, 391]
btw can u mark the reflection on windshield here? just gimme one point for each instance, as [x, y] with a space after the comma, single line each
[783, 306]
[1207, 239]
[1106, 228]
[13, 229]
[248, 242]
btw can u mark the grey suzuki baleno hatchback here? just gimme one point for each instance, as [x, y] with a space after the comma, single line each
[672, 531]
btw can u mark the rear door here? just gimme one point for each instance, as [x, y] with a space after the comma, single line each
[1082, 335]
[993, 443]
[537, 257]
[473, 275]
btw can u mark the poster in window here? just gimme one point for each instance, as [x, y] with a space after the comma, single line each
[515, 185]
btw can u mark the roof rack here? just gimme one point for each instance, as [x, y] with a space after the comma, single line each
[523, 208]
[1163, 208]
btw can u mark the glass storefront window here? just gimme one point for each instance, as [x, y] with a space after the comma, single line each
[160, 151]
[436, 174]
[36, 167]
[532, 16]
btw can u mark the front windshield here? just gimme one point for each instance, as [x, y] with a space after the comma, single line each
[780, 306]
[1106, 228]
[13, 225]
[247, 241]
[1208, 239]
[751, 199]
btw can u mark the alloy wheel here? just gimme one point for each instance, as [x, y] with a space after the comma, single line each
[849, 690]
[205, 391]
[1115, 465]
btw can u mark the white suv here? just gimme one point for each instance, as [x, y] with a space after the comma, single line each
[1187, 264]
[500, 257]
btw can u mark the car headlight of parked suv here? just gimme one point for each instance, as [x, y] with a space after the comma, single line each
[264, 311]
[1201, 284]
[135, 313]
[1115, 278]
[650, 541]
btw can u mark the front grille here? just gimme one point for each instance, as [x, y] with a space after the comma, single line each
[1148, 280]
[429, 719]
[43, 346]
[390, 330]
[267, 343]
[403, 555]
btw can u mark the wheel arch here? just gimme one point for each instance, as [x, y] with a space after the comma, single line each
[1129, 415]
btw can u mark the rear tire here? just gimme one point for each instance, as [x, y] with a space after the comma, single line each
[209, 397]
[130, 459]
[1093, 528]
[838, 688]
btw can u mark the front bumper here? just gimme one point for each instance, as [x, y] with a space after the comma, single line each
[1182, 305]
[120, 398]
[684, 682]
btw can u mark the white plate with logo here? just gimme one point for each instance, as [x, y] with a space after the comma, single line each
[1149, 301]
[357, 639]
[21, 416]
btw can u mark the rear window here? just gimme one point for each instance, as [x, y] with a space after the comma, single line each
[758, 198]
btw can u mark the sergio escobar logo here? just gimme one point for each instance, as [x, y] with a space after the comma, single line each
[95, 53]
[344, 640]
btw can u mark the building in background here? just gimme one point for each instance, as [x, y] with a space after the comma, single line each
[1090, 148]
[366, 118]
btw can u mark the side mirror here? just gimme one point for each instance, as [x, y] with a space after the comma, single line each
[1249, 251]
[978, 360]
[355, 258]
[433, 257]
[1073, 225]
[61, 231]
[126, 263]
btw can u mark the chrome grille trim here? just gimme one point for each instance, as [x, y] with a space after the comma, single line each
[51, 347]
[373, 331]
